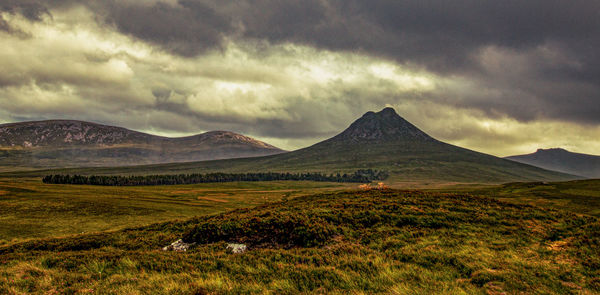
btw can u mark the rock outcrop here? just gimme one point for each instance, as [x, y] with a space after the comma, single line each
[178, 246]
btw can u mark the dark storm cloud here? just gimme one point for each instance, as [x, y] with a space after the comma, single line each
[445, 36]
[30, 9]
[529, 60]
[438, 33]
[442, 36]
[187, 28]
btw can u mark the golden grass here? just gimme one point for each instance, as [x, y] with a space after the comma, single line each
[359, 242]
[31, 209]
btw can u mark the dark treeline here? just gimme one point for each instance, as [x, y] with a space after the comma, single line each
[360, 176]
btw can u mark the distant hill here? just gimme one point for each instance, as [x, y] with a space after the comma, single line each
[383, 141]
[558, 159]
[68, 143]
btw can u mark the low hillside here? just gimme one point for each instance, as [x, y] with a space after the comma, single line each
[579, 196]
[558, 159]
[387, 241]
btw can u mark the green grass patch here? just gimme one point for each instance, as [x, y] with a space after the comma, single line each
[31, 209]
[580, 196]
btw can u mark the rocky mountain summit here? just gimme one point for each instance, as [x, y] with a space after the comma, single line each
[58, 143]
[65, 133]
[385, 125]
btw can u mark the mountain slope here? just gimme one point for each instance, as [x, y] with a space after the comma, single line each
[67, 143]
[384, 140]
[558, 159]
[380, 140]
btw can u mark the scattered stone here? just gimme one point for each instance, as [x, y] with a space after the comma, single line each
[178, 246]
[237, 248]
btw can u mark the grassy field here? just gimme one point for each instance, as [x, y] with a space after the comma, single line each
[355, 242]
[31, 209]
[579, 196]
[303, 237]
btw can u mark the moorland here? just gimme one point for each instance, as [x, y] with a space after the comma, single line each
[344, 241]
[438, 219]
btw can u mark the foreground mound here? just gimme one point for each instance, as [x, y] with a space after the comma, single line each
[373, 242]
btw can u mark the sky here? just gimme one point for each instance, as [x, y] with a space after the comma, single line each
[501, 77]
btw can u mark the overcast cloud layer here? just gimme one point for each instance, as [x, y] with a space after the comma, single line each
[502, 77]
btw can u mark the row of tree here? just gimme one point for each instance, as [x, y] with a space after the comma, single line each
[360, 176]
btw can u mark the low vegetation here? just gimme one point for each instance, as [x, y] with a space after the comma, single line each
[579, 196]
[360, 176]
[32, 209]
[369, 241]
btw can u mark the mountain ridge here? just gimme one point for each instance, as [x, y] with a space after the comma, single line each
[60, 143]
[81, 128]
[382, 141]
[562, 160]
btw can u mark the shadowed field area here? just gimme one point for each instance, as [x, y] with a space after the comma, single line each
[351, 242]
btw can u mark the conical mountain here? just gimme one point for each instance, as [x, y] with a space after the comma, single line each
[384, 140]
[384, 126]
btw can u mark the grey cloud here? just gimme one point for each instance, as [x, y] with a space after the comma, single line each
[442, 36]
[187, 29]
[31, 9]
[161, 94]
[547, 66]
[436, 33]
[4, 25]
[446, 36]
